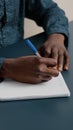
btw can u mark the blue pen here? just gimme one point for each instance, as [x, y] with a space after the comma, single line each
[33, 48]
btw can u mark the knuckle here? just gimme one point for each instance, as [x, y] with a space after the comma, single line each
[38, 79]
[55, 49]
[55, 62]
[40, 68]
[60, 53]
[40, 60]
[47, 50]
[56, 74]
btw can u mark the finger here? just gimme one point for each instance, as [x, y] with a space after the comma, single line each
[47, 71]
[50, 62]
[55, 53]
[53, 72]
[67, 61]
[60, 62]
[47, 52]
[41, 78]
[46, 78]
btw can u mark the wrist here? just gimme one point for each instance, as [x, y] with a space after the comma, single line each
[5, 70]
[58, 37]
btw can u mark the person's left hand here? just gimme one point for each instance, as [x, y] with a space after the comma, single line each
[54, 47]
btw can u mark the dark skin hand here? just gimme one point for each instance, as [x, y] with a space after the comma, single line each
[29, 69]
[54, 47]
[34, 69]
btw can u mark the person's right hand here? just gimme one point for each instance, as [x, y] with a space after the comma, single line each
[29, 69]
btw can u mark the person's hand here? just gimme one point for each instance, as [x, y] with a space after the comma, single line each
[29, 69]
[54, 47]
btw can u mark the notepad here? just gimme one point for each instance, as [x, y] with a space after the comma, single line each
[12, 90]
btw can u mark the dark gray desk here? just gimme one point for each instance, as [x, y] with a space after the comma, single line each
[44, 114]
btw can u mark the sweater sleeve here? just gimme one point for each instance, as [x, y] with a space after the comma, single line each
[47, 14]
[1, 15]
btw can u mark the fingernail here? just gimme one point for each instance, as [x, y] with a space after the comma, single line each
[60, 68]
[66, 68]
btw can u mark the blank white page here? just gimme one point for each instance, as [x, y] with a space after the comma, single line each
[12, 90]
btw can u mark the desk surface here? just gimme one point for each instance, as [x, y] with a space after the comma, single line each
[44, 114]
